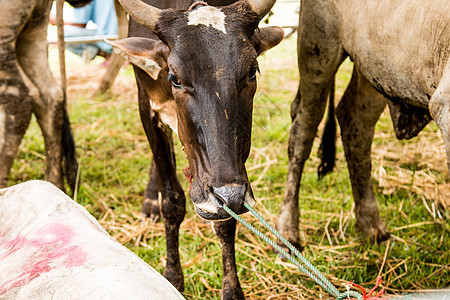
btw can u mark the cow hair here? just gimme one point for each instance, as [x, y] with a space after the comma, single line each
[327, 148]
[197, 4]
[248, 21]
[69, 154]
[78, 3]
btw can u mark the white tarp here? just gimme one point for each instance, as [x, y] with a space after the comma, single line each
[52, 248]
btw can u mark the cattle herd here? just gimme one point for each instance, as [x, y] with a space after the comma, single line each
[195, 65]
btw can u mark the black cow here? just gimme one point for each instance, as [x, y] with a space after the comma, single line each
[196, 75]
[27, 86]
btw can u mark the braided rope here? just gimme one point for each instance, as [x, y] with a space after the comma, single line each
[306, 268]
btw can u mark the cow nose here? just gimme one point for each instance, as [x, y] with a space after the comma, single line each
[231, 195]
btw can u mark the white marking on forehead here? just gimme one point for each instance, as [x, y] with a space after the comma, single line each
[208, 16]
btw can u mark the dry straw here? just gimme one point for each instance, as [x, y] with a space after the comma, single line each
[413, 166]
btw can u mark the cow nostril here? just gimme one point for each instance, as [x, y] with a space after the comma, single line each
[217, 197]
[231, 195]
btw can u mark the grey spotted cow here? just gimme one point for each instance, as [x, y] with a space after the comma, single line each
[400, 50]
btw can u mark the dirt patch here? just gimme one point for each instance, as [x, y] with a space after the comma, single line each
[84, 78]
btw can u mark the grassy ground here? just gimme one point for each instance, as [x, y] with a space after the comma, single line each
[409, 181]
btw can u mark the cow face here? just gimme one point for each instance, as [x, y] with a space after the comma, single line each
[210, 64]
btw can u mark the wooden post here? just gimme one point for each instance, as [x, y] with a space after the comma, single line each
[61, 44]
[116, 61]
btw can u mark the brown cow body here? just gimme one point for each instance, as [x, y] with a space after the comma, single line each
[195, 67]
[27, 86]
[400, 50]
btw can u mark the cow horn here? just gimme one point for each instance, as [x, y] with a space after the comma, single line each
[144, 14]
[261, 7]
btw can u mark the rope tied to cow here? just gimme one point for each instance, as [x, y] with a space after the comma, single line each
[305, 265]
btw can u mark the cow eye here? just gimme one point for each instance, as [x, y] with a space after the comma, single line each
[252, 73]
[175, 82]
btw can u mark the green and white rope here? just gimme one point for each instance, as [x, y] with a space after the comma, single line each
[306, 268]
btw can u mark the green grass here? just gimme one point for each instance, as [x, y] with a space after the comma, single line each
[115, 157]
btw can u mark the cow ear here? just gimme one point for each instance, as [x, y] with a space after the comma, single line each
[267, 37]
[148, 54]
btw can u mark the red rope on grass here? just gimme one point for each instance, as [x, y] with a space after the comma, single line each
[370, 295]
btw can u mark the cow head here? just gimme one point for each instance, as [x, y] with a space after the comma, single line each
[208, 57]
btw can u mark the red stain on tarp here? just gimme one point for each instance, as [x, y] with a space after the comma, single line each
[51, 248]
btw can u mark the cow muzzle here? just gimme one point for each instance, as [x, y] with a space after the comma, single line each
[231, 195]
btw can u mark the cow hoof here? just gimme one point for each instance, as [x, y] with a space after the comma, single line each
[175, 277]
[150, 209]
[377, 234]
[232, 293]
[382, 236]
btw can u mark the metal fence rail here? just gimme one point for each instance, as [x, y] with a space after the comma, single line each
[86, 39]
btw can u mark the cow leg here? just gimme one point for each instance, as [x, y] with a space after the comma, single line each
[150, 206]
[319, 55]
[49, 106]
[440, 111]
[15, 113]
[226, 231]
[15, 100]
[358, 112]
[173, 202]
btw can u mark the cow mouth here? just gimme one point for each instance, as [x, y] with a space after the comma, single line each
[218, 215]
[213, 210]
